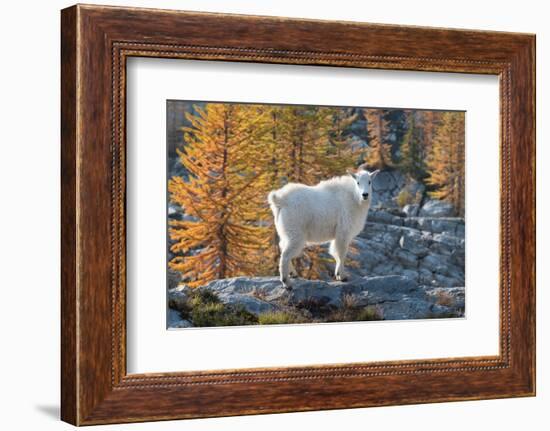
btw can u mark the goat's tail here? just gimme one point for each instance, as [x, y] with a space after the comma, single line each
[274, 202]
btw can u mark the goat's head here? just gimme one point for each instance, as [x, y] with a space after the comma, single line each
[363, 180]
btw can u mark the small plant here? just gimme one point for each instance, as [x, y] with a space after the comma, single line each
[280, 318]
[444, 298]
[204, 308]
[204, 296]
[355, 314]
[349, 301]
[404, 198]
[218, 314]
[370, 312]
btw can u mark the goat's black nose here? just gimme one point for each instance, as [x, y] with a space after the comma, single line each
[365, 195]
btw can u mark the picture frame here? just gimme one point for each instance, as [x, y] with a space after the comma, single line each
[96, 42]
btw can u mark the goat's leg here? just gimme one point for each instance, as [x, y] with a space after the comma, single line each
[289, 250]
[339, 249]
[291, 270]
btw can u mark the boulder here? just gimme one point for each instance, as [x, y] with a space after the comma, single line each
[411, 210]
[248, 302]
[406, 258]
[385, 217]
[434, 262]
[386, 187]
[267, 288]
[175, 320]
[413, 242]
[177, 297]
[173, 278]
[436, 208]
[395, 296]
[449, 295]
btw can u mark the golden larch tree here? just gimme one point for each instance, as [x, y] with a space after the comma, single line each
[379, 154]
[340, 153]
[225, 232]
[300, 142]
[446, 161]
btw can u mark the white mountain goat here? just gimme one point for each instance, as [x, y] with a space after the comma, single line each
[332, 211]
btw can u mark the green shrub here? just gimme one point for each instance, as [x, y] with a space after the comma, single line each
[370, 312]
[280, 318]
[203, 296]
[404, 198]
[208, 314]
[355, 314]
[218, 314]
[204, 308]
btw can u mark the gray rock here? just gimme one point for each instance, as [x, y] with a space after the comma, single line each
[410, 273]
[454, 295]
[436, 208]
[173, 278]
[435, 263]
[387, 186]
[458, 257]
[391, 266]
[395, 296]
[456, 273]
[413, 242]
[443, 280]
[425, 277]
[382, 288]
[177, 297]
[406, 258]
[385, 217]
[314, 294]
[411, 210]
[449, 240]
[365, 255]
[450, 225]
[260, 287]
[249, 303]
[176, 321]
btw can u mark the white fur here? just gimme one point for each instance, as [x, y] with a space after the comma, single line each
[332, 211]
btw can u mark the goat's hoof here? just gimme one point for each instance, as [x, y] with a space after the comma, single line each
[341, 278]
[286, 284]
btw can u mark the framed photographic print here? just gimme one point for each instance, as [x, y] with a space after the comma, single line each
[264, 208]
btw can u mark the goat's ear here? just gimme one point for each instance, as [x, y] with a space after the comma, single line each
[351, 173]
[373, 174]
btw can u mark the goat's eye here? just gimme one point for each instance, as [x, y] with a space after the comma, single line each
[358, 183]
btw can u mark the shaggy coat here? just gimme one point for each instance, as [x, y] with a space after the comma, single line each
[332, 211]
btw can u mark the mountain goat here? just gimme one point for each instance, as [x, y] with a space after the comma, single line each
[332, 211]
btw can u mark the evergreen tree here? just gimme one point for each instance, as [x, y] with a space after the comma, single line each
[397, 126]
[226, 232]
[446, 161]
[412, 158]
[340, 153]
[379, 154]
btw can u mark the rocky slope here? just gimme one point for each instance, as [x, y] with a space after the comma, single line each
[390, 297]
[407, 263]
